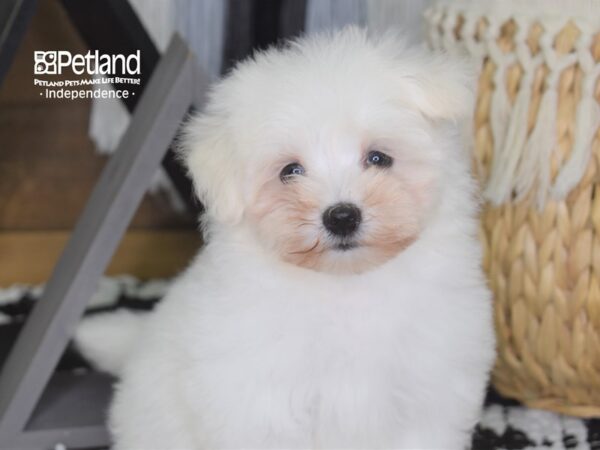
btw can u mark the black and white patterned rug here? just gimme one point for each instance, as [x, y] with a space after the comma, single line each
[504, 424]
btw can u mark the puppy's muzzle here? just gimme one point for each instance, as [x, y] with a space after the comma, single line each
[342, 219]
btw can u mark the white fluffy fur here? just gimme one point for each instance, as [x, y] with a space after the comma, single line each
[250, 351]
[107, 340]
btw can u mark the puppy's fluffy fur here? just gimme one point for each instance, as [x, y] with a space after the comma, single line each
[279, 335]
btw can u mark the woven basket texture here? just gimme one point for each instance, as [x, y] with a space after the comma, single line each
[543, 263]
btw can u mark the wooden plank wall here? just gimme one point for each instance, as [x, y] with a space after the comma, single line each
[48, 168]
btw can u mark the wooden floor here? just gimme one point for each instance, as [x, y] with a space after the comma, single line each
[48, 168]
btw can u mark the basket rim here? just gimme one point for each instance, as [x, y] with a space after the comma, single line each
[582, 10]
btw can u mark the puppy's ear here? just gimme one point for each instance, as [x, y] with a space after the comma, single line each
[440, 86]
[208, 154]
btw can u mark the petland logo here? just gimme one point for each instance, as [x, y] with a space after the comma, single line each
[99, 76]
[92, 63]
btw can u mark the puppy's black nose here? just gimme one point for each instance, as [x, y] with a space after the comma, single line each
[342, 219]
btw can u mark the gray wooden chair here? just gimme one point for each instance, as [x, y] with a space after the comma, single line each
[40, 409]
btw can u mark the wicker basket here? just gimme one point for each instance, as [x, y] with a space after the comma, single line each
[537, 154]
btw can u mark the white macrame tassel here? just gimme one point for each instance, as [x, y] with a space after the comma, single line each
[544, 137]
[587, 120]
[524, 173]
[472, 46]
[511, 164]
[500, 109]
[539, 148]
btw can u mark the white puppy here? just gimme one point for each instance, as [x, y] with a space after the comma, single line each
[339, 302]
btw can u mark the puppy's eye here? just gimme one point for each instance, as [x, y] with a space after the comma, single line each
[379, 159]
[290, 171]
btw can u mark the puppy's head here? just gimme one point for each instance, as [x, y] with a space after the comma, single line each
[328, 149]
